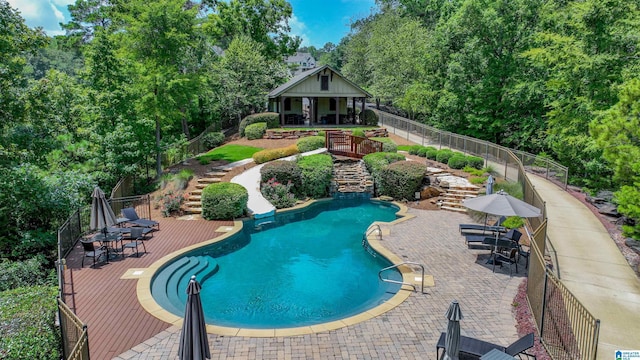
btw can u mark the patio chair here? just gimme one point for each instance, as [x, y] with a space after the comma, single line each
[475, 348]
[91, 251]
[136, 238]
[511, 258]
[524, 254]
[133, 218]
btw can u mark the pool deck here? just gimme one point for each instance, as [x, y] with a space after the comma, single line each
[120, 328]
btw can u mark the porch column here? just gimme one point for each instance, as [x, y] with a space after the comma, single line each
[364, 101]
[337, 110]
[353, 107]
[281, 111]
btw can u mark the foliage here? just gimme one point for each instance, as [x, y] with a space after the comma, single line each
[272, 154]
[316, 175]
[411, 149]
[370, 118]
[512, 188]
[278, 194]
[377, 161]
[473, 171]
[230, 153]
[457, 161]
[270, 118]
[182, 178]
[224, 201]
[213, 139]
[28, 330]
[475, 162]
[513, 222]
[444, 155]
[387, 144]
[310, 143]
[283, 172]
[255, 131]
[477, 180]
[431, 153]
[401, 179]
[31, 272]
[171, 202]
[358, 132]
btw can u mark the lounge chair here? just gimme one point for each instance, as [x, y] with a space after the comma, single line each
[482, 227]
[475, 348]
[133, 218]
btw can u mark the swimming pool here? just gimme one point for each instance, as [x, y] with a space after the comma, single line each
[300, 268]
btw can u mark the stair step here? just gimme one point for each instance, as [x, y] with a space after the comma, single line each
[209, 180]
[452, 204]
[193, 210]
[201, 186]
[460, 196]
[462, 210]
[193, 204]
[196, 192]
[216, 174]
[459, 190]
[193, 197]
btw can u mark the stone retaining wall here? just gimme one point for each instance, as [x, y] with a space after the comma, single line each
[296, 134]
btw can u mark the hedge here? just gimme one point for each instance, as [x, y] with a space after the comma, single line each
[387, 144]
[370, 118]
[255, 131]
[402, 179]
[310, 143]
[457, 161]
[414, 149]
[28, 330]
[266, 155]
[377, 161]
[431, 153]
[283, 172]
[475, 162]
[443, 155]
[213, 140]
[358, 132]
[224, 201]
[316, 175]
[272, 119]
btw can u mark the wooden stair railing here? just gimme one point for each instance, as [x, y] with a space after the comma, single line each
[339, 143]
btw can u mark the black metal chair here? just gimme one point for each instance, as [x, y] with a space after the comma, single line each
[510, 257]
[475, 348]
[136, 238]
[91, 251]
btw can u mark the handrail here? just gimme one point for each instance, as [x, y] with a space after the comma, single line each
[374, 226]
[401, 282]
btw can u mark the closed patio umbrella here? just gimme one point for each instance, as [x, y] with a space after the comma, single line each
[452, 338]
[102, 215]
[193, 338]
[490, 182]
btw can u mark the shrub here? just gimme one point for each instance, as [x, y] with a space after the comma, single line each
[477, 180]
[224, 201]
[213, 140]
[171, 203]
[255, 131]
[443, 155]
[33, 242]
[402, 179]
[475, 162]
[182, 178]
[28, 330]
[512, 188]
[283, 172]
[432, 153]
[457, 161]
[270, 118]
[310, 143]
[387, 144]
[377, 161]
[513, 222]
[278, 194]
[31, 272]
[369, 118]
[414, 149]
[422, 152]
[263, 156]
[473, 171]
[358, 132]
[316, 175]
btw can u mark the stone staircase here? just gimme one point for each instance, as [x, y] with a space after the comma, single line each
[193, 205]
[350, 176]
[456, 190]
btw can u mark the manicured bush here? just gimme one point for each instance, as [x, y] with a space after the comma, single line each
[310, 143]
[443, 155]
[387, 144]
[14, 274]
[316, 175]
[284, 172]
[270, 118]
[402, 179]
[255, 131]
[278, 194]
[457, 161]
[422, 152]
[377, 161]
[264, 156]
[213, 140]
[358, 132]
[28, 330]
[475, 162]
[224, 201]
[413, 150]
[369, 118]
[431, 153]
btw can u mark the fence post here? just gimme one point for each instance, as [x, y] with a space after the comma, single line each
[596, 335]
[544, 303]
[547, 174]
[423, 129]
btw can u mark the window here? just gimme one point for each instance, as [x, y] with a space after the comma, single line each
[324, 83]
[287, 104]
[332, 104]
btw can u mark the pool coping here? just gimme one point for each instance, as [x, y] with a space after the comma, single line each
[146, 300]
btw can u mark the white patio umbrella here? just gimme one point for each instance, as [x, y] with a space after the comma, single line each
[102, 215]
[193, 338]
[452, 338]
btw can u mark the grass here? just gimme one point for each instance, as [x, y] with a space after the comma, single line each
[230, 153]
[405, 147]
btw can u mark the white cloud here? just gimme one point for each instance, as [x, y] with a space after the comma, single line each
[298, 28]
[44, 13]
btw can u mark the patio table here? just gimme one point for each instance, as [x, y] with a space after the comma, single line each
[106, 240]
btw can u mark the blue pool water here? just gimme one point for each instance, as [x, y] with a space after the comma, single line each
[301, 268]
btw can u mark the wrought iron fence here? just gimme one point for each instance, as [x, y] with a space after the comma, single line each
[75, 337]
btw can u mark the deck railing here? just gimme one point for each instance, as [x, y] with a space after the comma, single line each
[75, 338]
[340, 143]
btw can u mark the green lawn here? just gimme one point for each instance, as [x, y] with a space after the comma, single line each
[230, 153]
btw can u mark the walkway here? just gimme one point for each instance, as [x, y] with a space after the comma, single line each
[592, 267]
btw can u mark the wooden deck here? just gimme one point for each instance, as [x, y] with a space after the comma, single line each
[109, 305]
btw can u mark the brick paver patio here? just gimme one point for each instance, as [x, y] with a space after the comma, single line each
[411, 330]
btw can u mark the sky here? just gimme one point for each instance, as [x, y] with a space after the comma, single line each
[316, 22]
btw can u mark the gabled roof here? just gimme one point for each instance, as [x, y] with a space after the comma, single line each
[305, 75]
